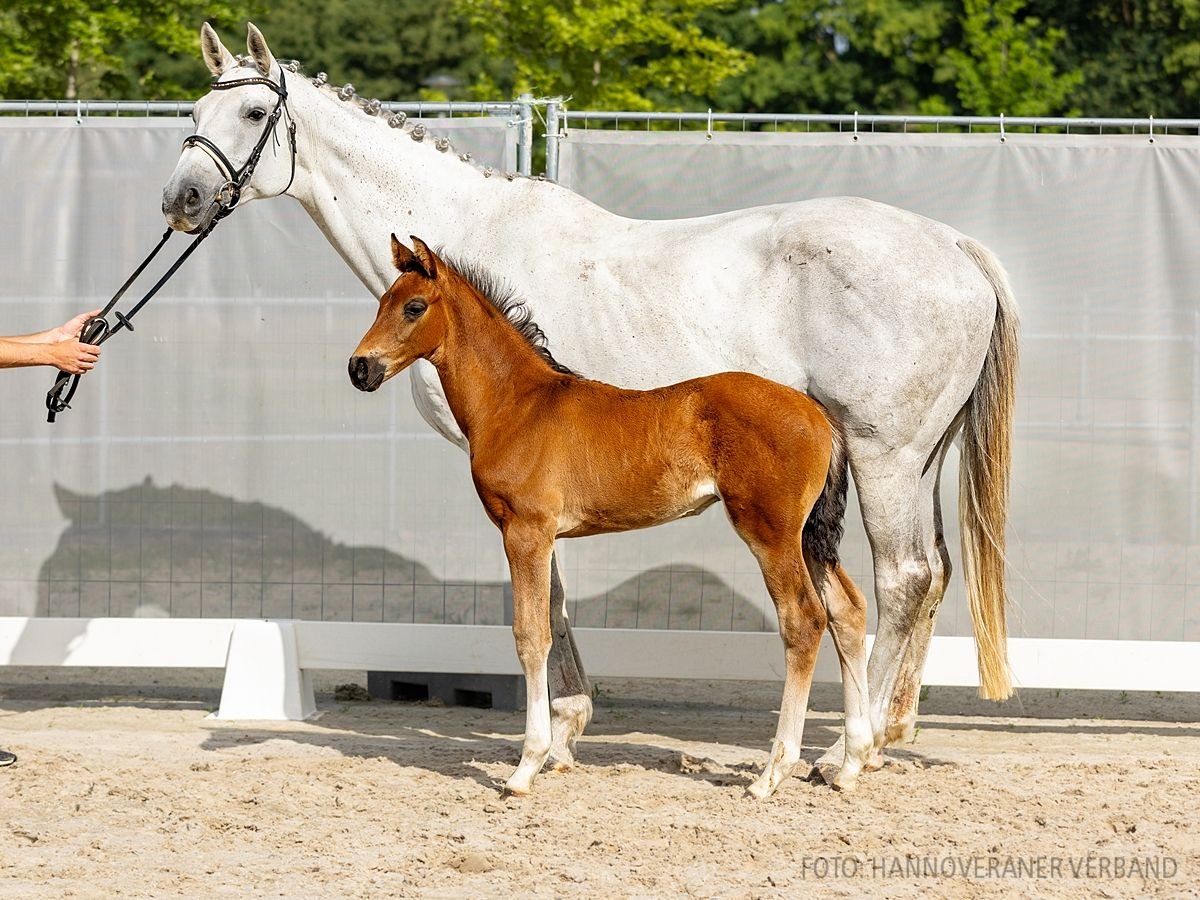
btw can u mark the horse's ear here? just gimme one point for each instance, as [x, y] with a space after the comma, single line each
[429, 260]
[256, 46]
[68, 501]
[405, 259]
[216, 57]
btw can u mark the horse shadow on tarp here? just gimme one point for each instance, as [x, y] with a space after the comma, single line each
[150, 550]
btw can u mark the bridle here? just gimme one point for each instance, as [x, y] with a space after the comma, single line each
[96, 330]
[236, 179]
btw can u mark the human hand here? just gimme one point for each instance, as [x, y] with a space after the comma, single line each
[69, 330]
[71, 356]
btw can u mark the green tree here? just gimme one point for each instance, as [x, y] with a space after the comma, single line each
[608, 54]
[1006, 62]
[1137, 57]
[394, 51]
[86, 48]
[834, 55]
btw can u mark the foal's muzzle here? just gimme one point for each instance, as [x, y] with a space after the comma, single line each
[366, 372]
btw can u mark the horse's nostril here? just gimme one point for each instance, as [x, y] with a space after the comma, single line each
[191, 199]
[358, 371]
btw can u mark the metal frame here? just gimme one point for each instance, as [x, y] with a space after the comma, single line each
[557, 119]
[519, 113]
[853, 123]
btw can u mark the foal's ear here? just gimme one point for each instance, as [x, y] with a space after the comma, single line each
[405, 259]
[216, 57]
[429, 260]
[256, 46]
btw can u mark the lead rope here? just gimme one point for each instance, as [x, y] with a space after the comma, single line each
[96, 330]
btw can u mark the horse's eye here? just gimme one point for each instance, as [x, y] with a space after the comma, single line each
[256, 115]
[414, 308]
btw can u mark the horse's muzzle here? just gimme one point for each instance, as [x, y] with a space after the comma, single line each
[366, 372]
[186, 208]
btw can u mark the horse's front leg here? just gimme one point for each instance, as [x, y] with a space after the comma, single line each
[529, 549]
[571, 703]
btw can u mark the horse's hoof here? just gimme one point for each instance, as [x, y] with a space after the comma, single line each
[516, 790]
[844, 781]
[762, 788]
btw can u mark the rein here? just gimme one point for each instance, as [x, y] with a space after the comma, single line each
[97, 330]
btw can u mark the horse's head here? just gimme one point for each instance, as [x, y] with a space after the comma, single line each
[411, 322]
[242, 147]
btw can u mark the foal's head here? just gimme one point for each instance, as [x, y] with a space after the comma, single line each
[411, 322]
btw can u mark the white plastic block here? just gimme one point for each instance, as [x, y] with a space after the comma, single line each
[263, 678]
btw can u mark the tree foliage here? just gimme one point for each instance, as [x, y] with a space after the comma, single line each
[395, 50]
[1005, 62]
[89, 48]
[617, 54]
[1043, 57]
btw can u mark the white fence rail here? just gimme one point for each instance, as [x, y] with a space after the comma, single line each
[265, 661]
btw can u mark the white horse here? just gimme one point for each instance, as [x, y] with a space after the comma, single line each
[904, 327]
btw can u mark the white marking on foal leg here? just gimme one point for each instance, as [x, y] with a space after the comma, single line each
[847, 608]
[859, 737]
[785, 750]
[537, 731]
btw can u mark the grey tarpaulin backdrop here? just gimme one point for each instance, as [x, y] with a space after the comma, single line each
[219, 463]
[1099, 235]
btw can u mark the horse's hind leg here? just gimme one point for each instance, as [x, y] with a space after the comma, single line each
[571, 695]
[902, 711]
[847, 609]
[910, 580]
[802, 619]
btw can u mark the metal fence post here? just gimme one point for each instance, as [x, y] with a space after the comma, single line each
[525, 134]
[552, 139]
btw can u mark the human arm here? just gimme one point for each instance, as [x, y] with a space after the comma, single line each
[67, 331]
[70, 356]
[58, 347]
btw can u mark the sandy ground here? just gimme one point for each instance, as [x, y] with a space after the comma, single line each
[128, 790]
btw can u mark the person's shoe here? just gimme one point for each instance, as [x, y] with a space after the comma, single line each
[6, 758]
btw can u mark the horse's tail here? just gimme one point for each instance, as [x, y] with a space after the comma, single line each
[983, 481]
[823, 530]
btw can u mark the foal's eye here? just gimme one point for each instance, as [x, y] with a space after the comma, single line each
[414, 308]
[256, 115]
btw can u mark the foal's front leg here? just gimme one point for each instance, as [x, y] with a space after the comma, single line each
[529, 549]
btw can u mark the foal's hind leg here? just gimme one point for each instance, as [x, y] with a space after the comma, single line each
[847, 609]
[802, 618]
[571, 695]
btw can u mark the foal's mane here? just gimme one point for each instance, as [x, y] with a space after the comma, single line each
[513, 308]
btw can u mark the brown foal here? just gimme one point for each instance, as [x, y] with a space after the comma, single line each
[556, 455]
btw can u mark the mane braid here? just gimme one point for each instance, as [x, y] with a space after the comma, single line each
[514, 309]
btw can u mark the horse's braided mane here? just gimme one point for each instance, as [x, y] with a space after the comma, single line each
[514, 309]
[369, 107]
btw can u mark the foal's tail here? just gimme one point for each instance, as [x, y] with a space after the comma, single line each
[823, 530]
[983, 481]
